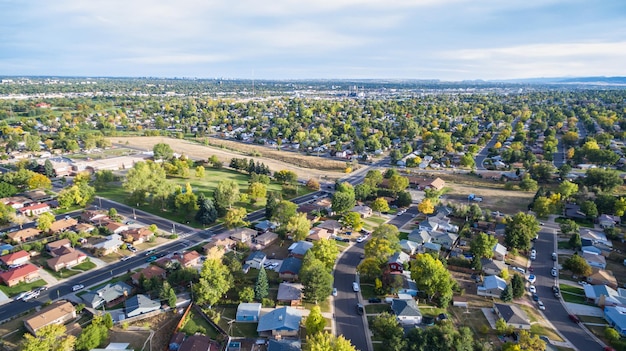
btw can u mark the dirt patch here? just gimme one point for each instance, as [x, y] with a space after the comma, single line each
[305, 166]
[161, 327]
[505, 201]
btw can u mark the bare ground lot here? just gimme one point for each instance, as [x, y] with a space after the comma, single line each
[305, 166]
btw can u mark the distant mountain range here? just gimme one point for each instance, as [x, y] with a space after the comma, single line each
[571, 80]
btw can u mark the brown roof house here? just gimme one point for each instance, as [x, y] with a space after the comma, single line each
[26, 273]
[137, 235]
[331, 225]
[436, 184]
[199, 343]
[602, 277]
[58, 244]
[62, 225]
[148, 273]
[58, 312]
[24, 234]
[16, 258]
[188, 259]
[318, 233]
[90, 216]
[116, 228]
[242, 235]
[217, 248]
[68, 260]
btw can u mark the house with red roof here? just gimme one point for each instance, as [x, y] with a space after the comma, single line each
[148, 273]
[26, 273]
[34, 210]
[67, 260]
[16, 258]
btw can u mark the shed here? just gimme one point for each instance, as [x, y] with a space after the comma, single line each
[248, 312]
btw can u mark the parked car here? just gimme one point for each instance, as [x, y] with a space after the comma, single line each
[355, 287]
[541, 305]
[151, 259]
[334, 291]
[535, 297]
[77, 287]
[361, 239]
[374, 300]
[555, 289]
[532, 279]
[582, 282]
[41, 288]
[22, 295]
[533, 256]
[554, 256]
[574, 318]
[125, 258]
[519, 269]
[554, 272]
[360, 309]
[31, 295]
[428, 320]
[532, 289]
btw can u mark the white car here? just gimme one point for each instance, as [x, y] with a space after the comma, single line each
[533, 256]
[77, 287]
[554, 272]
[521, 270]
[361, 239]
[334, 291]
[541, 305]
[355, 287]
[125, 258]
[532, 289]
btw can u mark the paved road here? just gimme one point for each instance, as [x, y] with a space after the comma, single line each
[400, 221]
[555, 312]
[481, 156]
[347, 321]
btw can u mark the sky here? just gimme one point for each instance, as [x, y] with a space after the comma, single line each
[449, 40]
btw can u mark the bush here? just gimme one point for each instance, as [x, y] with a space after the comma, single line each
[267, 302]
[611, 334]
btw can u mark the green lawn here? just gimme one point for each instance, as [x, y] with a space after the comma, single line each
[367, 291]
[324, 305]
[246, 330]
[21, 287]
[582, 222]
[197, 324]
[403, 236]
[63, 273]
[573, 298]
[85, 266]
[432, 311]
[572, 289]
[377, 308]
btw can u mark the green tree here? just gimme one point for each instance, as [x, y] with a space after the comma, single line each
[386, 327]
[577, 265]
[343, 201]
[48, 169]
[380, 205]
[569, 227]
[92, 336]
[144, 178]
[502, 328]
[246, 294]
[606, 180]
[507, 294]
[52, 337]
[528, 184]
[373, 178]
[286, 177]
[404, 199]
[398, 183]
[543, 206]
[261, 288]
[482, 245]
[162, 151]
[200, 171]
[235, 217]
[432, 277]
[467, 160]
[44, 221]
[326, 251]
[257, 191]
[567, 189]
[589, 208]
[299, 227]
[352, 220]
[283, 212]
[517, 286]
[215, 281]
[317, 281]
[225, 195]
[370, 268]
[362, 191]
[519, 230]
[207, 213]
[327, 342]
[575, 241]
[171, 299]
[7, 190]
[315, 322]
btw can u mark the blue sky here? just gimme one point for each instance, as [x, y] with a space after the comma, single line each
[331, 39]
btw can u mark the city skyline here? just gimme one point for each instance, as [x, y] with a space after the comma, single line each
[341, 39]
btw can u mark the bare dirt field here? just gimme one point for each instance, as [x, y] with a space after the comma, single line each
[305, 166]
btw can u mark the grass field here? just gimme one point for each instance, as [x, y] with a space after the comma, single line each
[572, 289]
[246, 330]
[197, 324]
[377, 308]
[19, 288]
[85, 266]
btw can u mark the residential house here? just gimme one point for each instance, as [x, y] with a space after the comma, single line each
[58, 244]
[572, 211]
[62, 225]
[512, 315]
[189, 258]
[242, 235]
[597, 261]
[299, 249]
[290, 293]
[616, 317]
[84, 227]
[217, 248]
[68, 260]
[140, 304]
[24, 234]
[419, 236]
[436, 184]
[148, 273]
[431, 247]
[16, 258]
[491, 267]
[94, 217]
[331, 225]
[406, 311]
[363, 210]
[266, 238]
[281, 322]
[492, 286]
[248, 312]
[318, 233]
[16, 202]
[110, 245]
[116, 228]
[604, 295]
[34, 210]
[265, 226]
[408, 246]
[63, 250]
[397, 260]
[284, 345]
[445, 239]
[255, 260]
[108, 295]
[596, 238]
[499, 252]
[137, 236]
[199, 343]
[602, 277]
[26, 273]
[608, 221]
[58, 312]
[290, 268]
[409, 286]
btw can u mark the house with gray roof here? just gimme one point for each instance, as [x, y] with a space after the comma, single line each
[265, 225]
[419, 236]
[597, 261]
[499, 252]
[397, 260]
[513, 315]
[604, 295]
[282, 322]
[140, 304]
[284, 345]
[432, 247]
[255, 260]
[248, 312]
[406, 311]
[409, 247]
[299, 249]
[111, 293]
[492, 267]
[290, 268]
[445, 239]
[111, 244]
[290, 293]
[492, 286]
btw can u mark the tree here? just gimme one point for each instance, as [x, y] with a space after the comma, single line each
[370, 268]
[362, 191]
[517, 286]
[92, 336]
[215, 281]
[162, 151]
[502, 328]
[317, 281]
[327, 342]
[44, 221]
[398, 183]
[39, 181]
[225, 195]
[257, 191]
[7, 190]
[286, 177]
[299, 226]
[519, 230]
[235, 217]
[200, 171]
[380, 205]
[186, 201]
[569, 227]
[283, 212]
[315, 322]
[432, 277]
[171, 299]
[271, 202]
[482, 245]
[577, 265]
[528, 184]
[386, 327]
[353, 220]
[343, 201]
[326, 251]
[507, 294]
[144, 178]
[543, 206]
[467, 160]
[426, 206]
[373, 178]
[52, 337]
[528, 342]
[567, 189]
[207, 213]
[589, 208]
[261, 287]
[404, 199]
[575, 241]
[313, 184]
[606, 180]
[246, 294]
[48, 169]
